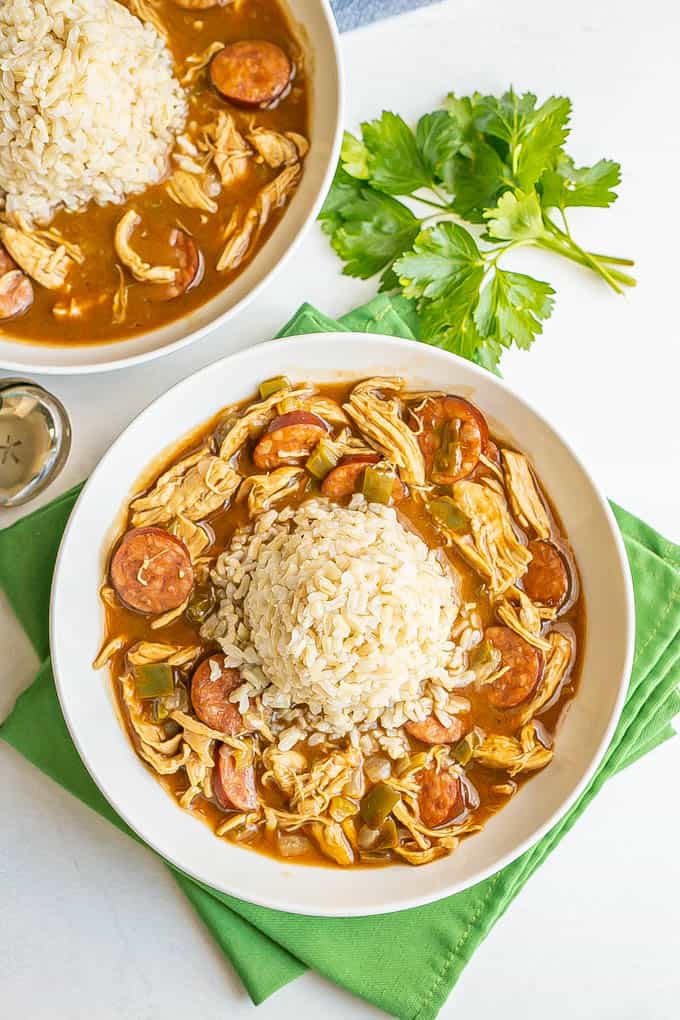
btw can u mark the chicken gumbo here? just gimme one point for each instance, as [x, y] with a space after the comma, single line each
[343, 624]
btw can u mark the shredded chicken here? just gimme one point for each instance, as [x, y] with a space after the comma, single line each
[45, 261]
[525, 500]
[379, 419]
[326, 408]
[230, 152]
[269, 198]
[197, 62]
[277, 149]
[333, 842]
[195, 538]
[524, 755]
[492, 547]
[256, 418]
[120, 299]
[194, 487]
[558, 660]
[175, 655]
[141, 270]
[189, 190]
[525, 619]
[262, 491]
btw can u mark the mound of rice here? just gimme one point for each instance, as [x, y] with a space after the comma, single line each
[339, 609]
[89, 106]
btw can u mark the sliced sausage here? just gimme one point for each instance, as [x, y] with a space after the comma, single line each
[16, 294]
[289, 439]
[452, 434]
[440, 798]
[251, 72]
[211, 685]
[547, 578]
[16, 289]
[430, 731]
[232, 787]
[343, 479]
[524, 664]
[191, 267]
[151, 570]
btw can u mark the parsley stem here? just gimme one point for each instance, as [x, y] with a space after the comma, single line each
[612, 260]
[571, 250]
[435, 205]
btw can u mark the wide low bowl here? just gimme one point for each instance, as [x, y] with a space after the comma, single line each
[86, 697]
[316, 28]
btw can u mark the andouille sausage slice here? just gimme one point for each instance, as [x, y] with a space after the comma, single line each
[431, 731]
[251, 72]
[452, 434]
[547, 578]
[151, 570]
[211, 685]
[190, 269]
[232, 787]
[524, 665]
[289, 439]
[342, 480]
[440, 798]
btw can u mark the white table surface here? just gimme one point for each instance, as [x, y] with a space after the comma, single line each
[92, 926]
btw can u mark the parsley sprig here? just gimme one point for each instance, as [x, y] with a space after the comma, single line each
[496, 162]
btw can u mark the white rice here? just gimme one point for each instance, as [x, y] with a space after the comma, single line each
[89, 106]
[339, 618]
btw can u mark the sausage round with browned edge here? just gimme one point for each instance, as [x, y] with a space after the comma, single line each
[151, 571]
[452, 435]
[524, 665]
[342, 480]
[211, 685]
[440, 798]
[233, 787]
[251, 72]
[289, 439]
[547, 578]
[190, 269]
[431, 731]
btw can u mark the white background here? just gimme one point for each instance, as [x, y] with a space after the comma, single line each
[92, 925]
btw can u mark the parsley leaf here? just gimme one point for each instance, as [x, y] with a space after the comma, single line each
[394, 162]
[368, 229]
[532, 135]
[511, 308]
[565, 185]
[354, 157]
[477, 182]
[443, 256]
[439, 139]
[517, 217]
[444, 272]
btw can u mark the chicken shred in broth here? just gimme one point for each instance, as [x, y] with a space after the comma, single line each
[406, 754]
[115, 270]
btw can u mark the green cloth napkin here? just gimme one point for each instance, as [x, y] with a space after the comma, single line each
[405, 963]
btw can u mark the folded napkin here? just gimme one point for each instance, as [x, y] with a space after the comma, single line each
[405, 963]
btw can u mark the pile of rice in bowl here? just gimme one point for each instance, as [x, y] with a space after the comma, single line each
[343, 624]
[89, 105]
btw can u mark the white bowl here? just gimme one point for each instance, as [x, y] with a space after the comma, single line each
[318, 34]
[76, 630]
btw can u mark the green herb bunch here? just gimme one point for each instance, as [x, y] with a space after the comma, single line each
[496, 162]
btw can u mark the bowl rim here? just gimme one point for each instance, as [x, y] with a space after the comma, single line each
[93, 368]
[285, 903]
